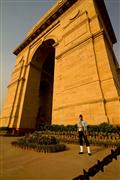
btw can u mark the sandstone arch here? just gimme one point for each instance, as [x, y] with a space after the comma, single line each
[86, 75]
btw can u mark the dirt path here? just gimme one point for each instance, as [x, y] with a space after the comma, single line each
[18, 164]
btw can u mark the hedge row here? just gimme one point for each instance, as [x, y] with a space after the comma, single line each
[102, 129]
[72, 138]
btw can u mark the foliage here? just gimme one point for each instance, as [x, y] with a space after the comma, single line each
[40, 142]
[4, 128]
[101, 128]
[57, 128]
[103, 134]
[3, 131]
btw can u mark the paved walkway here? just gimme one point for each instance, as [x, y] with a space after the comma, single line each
[19, 164]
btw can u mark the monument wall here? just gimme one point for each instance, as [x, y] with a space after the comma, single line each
[86, 72]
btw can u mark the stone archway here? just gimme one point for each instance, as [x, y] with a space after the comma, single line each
[44, 113]
[86, 78]
[45, 106]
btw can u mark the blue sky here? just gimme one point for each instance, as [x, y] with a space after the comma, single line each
[16, 19]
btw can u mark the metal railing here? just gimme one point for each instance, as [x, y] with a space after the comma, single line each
[99, 166]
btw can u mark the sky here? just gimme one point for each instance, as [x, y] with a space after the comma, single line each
[17, 17]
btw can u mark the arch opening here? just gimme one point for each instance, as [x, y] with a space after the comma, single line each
[46, 58]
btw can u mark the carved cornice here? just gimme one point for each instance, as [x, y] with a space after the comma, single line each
[61, 7]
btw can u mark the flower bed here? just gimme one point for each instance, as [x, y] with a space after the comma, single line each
[72, 137]
[103, 134]
[39, 142]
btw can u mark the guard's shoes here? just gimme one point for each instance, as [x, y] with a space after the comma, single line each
[89, 154]
[80, 153]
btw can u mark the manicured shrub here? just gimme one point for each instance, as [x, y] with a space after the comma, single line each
[40, 142]
[105, 127]
[4, 128]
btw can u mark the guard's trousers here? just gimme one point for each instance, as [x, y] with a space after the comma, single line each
[81, 137]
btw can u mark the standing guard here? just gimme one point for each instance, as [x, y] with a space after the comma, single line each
[82, 130]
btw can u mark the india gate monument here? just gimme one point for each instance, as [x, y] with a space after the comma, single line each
[65, 67]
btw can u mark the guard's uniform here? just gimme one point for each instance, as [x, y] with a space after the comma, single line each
[82, 128]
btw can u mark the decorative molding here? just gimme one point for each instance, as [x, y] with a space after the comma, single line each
[75, 15]
[16, 81]
[78, 16]
[98, 33]
[112, 99]
[82, 31]
[55, 44]
[79, 104]
[48, 30]
[60, 1]
[44, 24]
[89, 102]
[83, 41]
[17, 69]
[81, 84]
